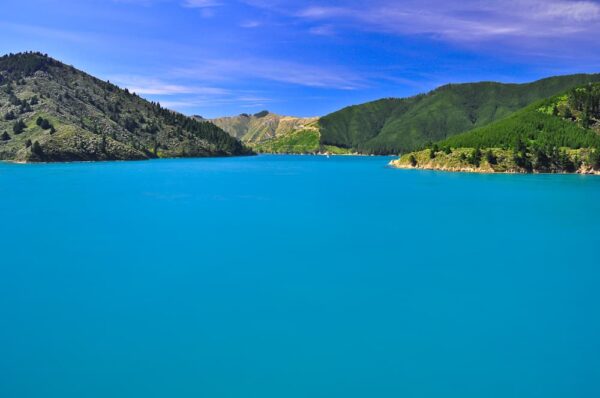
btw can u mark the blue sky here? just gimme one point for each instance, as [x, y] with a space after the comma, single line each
[305, 58]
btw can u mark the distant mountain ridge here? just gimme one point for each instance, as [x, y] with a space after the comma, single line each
[262, 126]
[50, 111]
[396, 125]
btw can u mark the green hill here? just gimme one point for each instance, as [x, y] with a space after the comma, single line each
[558, 134]
[53, 112]
[557, 121]
[399, 125]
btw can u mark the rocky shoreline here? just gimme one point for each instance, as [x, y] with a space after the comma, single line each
[584, 170]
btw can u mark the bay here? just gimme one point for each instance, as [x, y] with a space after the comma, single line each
[296, 276]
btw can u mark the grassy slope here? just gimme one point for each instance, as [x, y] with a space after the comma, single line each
[301, 141]
[306, 140]
[261, 127]
[400, 125]
[271, 133]
[94, 120]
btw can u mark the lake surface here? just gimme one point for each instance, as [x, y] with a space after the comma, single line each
[291, 276]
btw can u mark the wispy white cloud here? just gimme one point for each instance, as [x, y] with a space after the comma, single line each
[207, 8]
[465, 21]
[251, 24]
[152, 86]
[308, 75]
[322, 30]
[578, 11]
[215, 102]
[183, 97]
[78, 37]
[469, 20]
[201, 3]
[136, 2]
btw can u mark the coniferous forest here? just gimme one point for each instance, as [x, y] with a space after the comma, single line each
[559, 134]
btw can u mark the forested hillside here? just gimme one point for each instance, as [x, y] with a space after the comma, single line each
[53, 112]
[569, 120]
[399, 125]
[559, 134]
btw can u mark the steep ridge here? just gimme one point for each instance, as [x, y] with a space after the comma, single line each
[53, 112]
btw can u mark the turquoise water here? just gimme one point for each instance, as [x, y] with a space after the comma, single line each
[283, 276]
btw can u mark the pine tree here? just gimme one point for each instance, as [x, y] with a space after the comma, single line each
[43, 123]
[36, 148]
[475, 157]
[19, 127]
[490, 157]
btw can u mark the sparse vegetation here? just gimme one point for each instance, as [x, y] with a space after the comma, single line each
[18, 127]
[258, 129]
[67, 112]
[302, 141]
[43, 123]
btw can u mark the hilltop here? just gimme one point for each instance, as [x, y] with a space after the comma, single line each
[50, 111]
[267, 132]
[394, 125]
[261, 126]
[554, 135]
